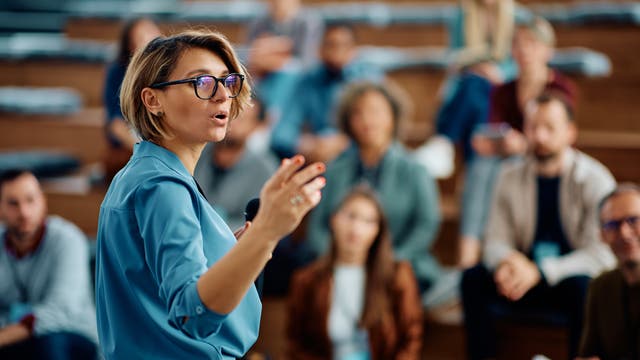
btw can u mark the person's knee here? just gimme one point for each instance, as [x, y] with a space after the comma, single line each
[475, 280]
[577, 284]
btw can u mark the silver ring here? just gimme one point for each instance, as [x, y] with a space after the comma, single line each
[296, 200]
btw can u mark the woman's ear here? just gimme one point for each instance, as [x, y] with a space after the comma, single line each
[151, 101]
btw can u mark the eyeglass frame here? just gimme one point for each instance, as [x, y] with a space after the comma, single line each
[614, 226]
[194, 81]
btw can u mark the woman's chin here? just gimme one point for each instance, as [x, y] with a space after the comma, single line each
[217, 135]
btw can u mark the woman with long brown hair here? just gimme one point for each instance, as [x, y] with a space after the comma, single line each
[356, 302]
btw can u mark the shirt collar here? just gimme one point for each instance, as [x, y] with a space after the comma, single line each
[147, 148]
[11, 249]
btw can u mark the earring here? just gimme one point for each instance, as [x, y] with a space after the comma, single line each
[160, 114]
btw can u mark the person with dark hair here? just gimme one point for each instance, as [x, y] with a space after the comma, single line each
[612, 318]
[502, 138]
[46, 304]
[135, 34]
[231, 173]
[369, 114]
[356, 302]
[282, 43]
[172, 280]
[308, 125]
[541, 242]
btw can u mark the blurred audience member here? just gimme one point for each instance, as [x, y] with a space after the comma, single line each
[355, 302]
[230, 173]
[369, 115]
[481, 35]
[46, 304]
[542, 242]
[502, 137]
[282, 43]
[612, 321]
[312, 107]
[135, 34]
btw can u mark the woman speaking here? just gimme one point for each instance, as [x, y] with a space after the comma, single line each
[172, 280]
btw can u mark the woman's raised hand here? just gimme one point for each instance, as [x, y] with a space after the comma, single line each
[288, 196]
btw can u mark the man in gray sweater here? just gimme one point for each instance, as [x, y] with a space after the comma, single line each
[542, 240]
[46, 306]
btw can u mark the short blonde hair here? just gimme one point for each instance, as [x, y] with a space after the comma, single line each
[156, 62]
[541, 29]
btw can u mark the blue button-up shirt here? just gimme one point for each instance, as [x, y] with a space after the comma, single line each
[156, 235]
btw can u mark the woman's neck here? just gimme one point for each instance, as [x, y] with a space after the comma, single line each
[372, 155]
[534, 76]
[351, 259]
[531, 82]
[187, 153]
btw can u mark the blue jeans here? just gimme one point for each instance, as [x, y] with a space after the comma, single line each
[460, 115]
[53, 346]
[477, 193]
[561, 304]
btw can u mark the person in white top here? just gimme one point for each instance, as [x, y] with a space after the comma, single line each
[356, 302]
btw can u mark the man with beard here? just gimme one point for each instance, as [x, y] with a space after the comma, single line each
[612, 322]
[46, 306]
[542, 241]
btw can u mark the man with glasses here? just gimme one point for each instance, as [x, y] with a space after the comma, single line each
[541, 243]
[612, 323]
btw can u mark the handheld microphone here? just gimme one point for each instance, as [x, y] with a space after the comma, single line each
[250, 212]
[251, 209]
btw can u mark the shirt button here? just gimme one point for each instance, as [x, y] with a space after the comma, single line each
[199, 310]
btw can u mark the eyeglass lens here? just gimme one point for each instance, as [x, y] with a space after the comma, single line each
[207, 85]
[614, 225]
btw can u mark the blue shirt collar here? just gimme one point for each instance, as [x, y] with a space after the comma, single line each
[147, 148]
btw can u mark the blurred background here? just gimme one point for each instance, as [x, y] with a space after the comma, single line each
[54, 56]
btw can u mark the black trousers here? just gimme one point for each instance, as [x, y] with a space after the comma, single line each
[54, 346]
[482, 305]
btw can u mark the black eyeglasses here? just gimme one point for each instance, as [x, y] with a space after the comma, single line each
[206, 86]
[614, 225]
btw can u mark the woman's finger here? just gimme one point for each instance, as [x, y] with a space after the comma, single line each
[311, 192]
[285, 171]
[307, 174]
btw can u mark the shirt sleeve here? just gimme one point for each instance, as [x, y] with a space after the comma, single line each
[68, 280]
[417, 242]
[167, 214]
[499, 231]
[589, 340]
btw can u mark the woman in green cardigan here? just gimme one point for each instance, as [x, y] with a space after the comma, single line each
[369, 114]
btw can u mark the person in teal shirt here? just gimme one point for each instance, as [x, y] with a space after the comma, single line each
[172, 280]
[369, 113]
